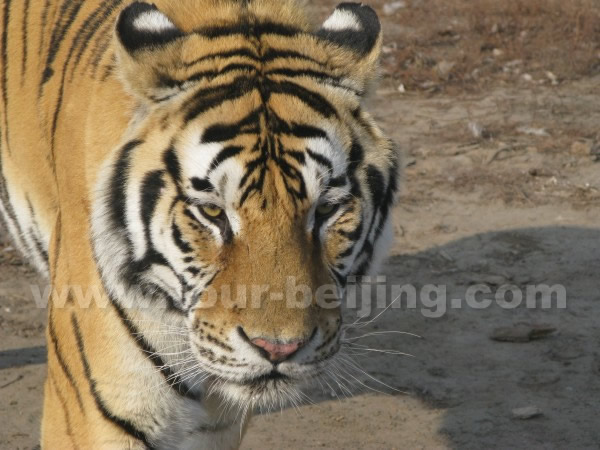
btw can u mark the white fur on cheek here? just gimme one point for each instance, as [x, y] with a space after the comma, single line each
[342, 20]
[153, 21]
[382, 247]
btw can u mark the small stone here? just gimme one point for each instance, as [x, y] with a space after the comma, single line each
[491, 280]
[541, 132]
[497, 52]
[526, 413]
[539, 379]
[475, 129]
[444, 68]
[438, 372]
[521, 333]
[527, 77]
[392, 7]
[401, 88]
[537, 172]
[580, 148]
[553, 79]
[389, 48]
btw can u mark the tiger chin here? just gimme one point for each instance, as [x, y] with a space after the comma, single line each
[203, 182]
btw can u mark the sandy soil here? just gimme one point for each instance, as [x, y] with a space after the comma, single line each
[502, 186]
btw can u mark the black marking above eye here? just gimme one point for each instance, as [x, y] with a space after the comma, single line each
[337, 181]
[320, 159]
[202, 185]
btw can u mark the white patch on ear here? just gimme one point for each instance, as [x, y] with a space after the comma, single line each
[342, 20]
[153, 21]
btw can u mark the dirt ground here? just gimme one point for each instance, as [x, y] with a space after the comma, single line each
[497, 110]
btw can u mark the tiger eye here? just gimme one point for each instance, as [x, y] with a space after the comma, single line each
[325, 209]
[212, 211]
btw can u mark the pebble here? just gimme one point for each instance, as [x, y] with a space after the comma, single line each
[533, 131]
[527, 412]
[580, 148]
[391, 8]
[521, 333]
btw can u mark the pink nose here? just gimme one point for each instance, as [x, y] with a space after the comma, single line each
[278, 352]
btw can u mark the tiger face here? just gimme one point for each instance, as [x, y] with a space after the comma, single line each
[250, 186]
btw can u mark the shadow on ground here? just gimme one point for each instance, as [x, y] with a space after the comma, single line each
[461, 385]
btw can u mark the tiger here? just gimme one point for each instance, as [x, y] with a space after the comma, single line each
[159, 160]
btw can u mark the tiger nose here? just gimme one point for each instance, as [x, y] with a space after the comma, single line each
[275, 351]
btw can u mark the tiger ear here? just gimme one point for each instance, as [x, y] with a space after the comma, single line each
[146, 40]
[355, 31]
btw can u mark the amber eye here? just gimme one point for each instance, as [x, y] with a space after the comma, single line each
[212, 211]
[326, 209]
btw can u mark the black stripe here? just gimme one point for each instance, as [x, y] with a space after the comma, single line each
[353, 235]
[49, 72]
[248, 29]
[100, 48]
[211, 74]
[45, 11]
[390, 194]
[173, 380]
[337, 182]
[225, 154]
[296, 155]
[320, 159]
[346, 253]
[150, 195]
[89, 28]
[24, 26]
[63, 404]
[67, 14]
[376, 185]
[179, 241]
[313, 100]
[209, 98]
[307, 131]
[202, 185]
[194, 271]
[273, 54]
[118, 184]
[57, 247]
[5, 23]
[172, 163]
[251, 166]
[34, 233]
[225, 132]
[256, 185]
[293, 73]
[122, 423]
[355, 160]
[61, 360]
[242, 53]
[4, 195]
[367, 248]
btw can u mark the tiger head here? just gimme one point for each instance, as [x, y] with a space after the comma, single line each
[251, 184]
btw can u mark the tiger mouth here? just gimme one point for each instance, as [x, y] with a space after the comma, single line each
[272, 378]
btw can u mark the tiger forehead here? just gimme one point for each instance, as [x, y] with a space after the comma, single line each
[206, 14]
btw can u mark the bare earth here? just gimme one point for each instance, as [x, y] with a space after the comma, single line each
[502, 186]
